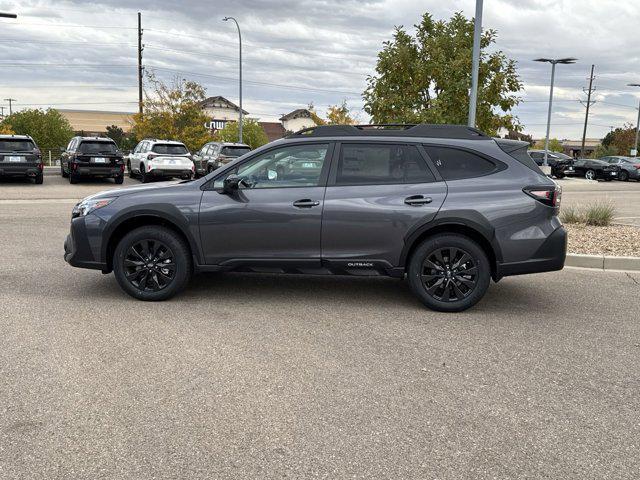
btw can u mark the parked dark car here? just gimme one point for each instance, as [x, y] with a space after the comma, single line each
[593, 169]
[561, 164]
[20, 157]
[629, 166]
[447, 207]
[215, 154]
[92, 157]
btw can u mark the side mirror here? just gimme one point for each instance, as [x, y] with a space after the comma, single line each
[231, 183]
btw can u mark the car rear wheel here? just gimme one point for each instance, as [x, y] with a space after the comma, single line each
[449, 273]
[39, 179]
[144, 177]
[119, 180]
[590, 174]
[73, 178]
[624, 176]
[152, 263]
[129, 171]
[62, 172]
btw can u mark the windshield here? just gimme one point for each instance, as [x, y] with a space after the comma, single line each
[169, 149]
[16, 145]
[97, 147]
[234, 151]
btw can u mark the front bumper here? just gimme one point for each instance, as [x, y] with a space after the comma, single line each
[549, 257]
[82, 245]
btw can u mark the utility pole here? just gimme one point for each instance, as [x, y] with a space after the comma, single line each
[634, 150]
[588, 104]
[140, 67]
[475, 64]
[10, 100]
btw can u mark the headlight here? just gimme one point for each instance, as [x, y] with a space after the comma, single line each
[85, 207]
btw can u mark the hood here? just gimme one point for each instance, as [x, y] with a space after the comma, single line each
[119, 192]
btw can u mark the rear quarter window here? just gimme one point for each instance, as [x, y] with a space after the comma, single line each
[458, 164]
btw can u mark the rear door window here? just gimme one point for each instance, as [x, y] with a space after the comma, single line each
[458, 164]
[16, 145]
[234, 151]
[97, 147]
[169, 149]
[381, 164]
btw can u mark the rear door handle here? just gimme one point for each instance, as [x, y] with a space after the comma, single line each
[417, 200]
[306, 203]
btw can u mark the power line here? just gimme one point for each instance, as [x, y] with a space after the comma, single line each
[253, 82]
[70, 25]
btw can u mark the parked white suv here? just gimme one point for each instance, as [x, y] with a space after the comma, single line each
[160, 158]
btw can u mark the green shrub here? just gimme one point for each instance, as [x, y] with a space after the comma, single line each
[571, 215]
[596, 215]
[599, 214]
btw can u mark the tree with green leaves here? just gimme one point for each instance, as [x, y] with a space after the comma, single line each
[555, 145]
[252, 133]
[426, 78]
[621, 140]
[49, 128]
[172, 111]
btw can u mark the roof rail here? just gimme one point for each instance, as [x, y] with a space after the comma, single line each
[394, 130]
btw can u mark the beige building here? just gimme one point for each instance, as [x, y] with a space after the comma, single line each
[94, 122]
[297, 120]
[220, 111]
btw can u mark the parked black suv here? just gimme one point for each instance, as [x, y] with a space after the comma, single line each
[446, 206]
[95, 157]
[20, 157]
[560, 163]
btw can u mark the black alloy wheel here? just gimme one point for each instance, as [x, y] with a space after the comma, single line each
[149, 265]
[449, 274]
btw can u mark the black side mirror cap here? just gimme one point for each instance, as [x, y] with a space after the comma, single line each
[231, 183]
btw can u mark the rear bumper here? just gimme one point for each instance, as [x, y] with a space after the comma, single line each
[108, 172]
[19, 170]
[169, 172]
[549, 257]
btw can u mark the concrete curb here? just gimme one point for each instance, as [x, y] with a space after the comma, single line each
[603, 262]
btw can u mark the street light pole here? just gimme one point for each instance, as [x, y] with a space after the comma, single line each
[553, 62]
[635, 145]
[475, 64]
[240, 75]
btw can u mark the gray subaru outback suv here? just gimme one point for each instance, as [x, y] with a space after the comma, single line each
[447, 207]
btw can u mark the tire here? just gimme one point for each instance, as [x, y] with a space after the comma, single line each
[624, 176]
[119, 180]
[469, 287]
[130, 172]
[39, 179]
[210, 169]
[590, 175]
[164, 242]
[144, 178]
[73, 178]
[62, 172]
[559, 175]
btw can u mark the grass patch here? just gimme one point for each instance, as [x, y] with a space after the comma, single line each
[596, 215]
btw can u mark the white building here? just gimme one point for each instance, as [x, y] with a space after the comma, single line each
[220, 111]
[297, 120]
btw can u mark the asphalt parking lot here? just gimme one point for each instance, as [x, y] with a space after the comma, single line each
[266, 376]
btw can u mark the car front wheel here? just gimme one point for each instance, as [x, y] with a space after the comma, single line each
[624, 176]
[449, 273]
[152, 263]
[590, 174]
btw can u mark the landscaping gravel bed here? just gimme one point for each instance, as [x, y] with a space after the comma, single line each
[615, 240]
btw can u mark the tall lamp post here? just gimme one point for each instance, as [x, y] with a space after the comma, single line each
[634, 151]
[240, 67]
[553, 62]
[475, 64]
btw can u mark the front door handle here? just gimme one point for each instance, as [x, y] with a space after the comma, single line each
[417, 200]
[306, 203]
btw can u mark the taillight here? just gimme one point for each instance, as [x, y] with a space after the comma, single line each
[549, 195]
